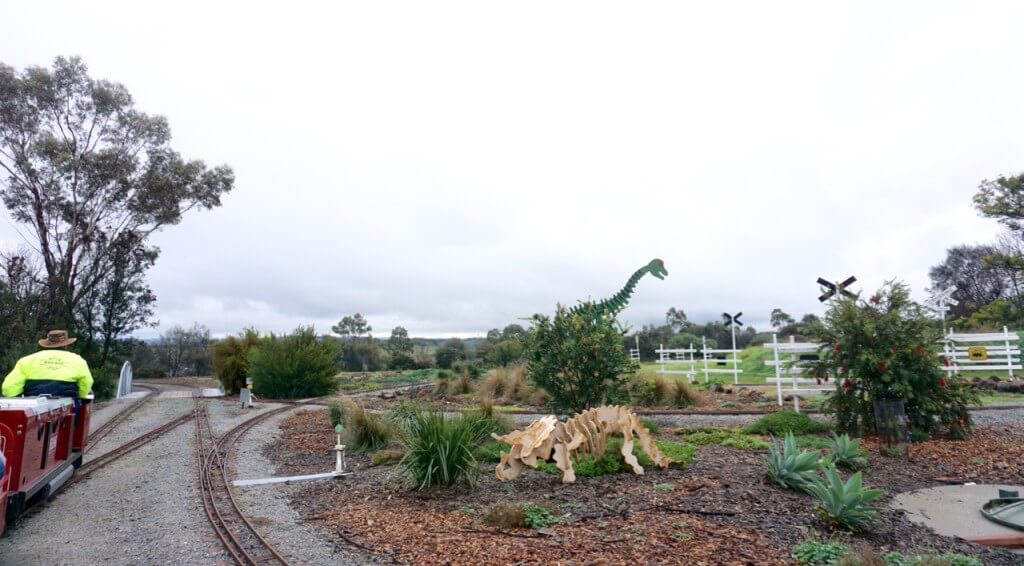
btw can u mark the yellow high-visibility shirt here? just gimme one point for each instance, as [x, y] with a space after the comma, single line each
[56, 365]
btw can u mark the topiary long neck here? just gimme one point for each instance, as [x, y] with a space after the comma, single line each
[619, 301]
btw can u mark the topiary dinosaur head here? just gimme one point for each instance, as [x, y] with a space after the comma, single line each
[657, 268]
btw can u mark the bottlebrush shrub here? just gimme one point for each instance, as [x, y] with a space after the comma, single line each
[885, 348]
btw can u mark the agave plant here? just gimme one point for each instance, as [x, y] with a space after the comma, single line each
[845, 504]
[789, 467]
[845, 452]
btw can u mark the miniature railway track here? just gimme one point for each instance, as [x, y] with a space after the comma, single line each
[105, 429]
[100, 462]
[86, 469]
[233, 528]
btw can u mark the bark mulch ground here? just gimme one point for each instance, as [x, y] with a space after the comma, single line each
[720, 510]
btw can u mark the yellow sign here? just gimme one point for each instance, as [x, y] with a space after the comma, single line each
[977, 353]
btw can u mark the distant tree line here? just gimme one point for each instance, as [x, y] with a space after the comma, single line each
[988, 279]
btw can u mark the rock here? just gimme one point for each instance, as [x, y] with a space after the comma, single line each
[1009, 387]
[994, 378]
[387, 395]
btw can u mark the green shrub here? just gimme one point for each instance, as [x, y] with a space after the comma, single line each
[845, 504]
[788, 467]
[231, 359]
[386, 457]
[474, 369]
[577, 359]
[296, 365]
[846, 453]
[730, 437]
[782, 422]
[650, 425]
[680, 453]
[885, 348]
[440, 450]
[105, 381]
[819, 552]
[366, 431]
[336, 412]
[537, 517]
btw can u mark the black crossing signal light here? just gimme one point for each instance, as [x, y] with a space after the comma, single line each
[731, 318]
[832, 288]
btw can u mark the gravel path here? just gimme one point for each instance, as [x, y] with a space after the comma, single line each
[140, 509]
[998, 417]
[277, 521]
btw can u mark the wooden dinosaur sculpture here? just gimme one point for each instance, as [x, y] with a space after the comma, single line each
[585, 432]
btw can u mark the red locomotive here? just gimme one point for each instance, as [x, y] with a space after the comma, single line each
[43, 439]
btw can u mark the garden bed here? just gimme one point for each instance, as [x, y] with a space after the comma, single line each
[717, 510]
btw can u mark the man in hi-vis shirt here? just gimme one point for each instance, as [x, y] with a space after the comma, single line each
[51, 371]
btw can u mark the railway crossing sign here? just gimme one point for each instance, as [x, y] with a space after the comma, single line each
[731, 322]
[731, 318]
[940, 301]
[831, 289]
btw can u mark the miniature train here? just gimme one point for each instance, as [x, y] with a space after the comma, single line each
[43, 439]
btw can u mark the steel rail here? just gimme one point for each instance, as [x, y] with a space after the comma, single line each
[214, 486]
[106, 428]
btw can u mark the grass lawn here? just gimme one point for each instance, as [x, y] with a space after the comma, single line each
[362, 381]
[752, 367]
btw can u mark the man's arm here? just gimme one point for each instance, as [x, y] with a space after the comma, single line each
[14, 383]
[84, 381]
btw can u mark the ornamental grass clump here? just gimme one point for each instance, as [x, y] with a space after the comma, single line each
[439, 451]
[790, 467]
[845, 504]
[366, 431]
[845, 452]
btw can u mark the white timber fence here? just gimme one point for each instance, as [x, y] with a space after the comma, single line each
[711, 355]
[634, 353]
[677, 357]
[791, 361]
[993, 351]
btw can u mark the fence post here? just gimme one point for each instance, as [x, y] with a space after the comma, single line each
[704, 352]
[1009, 356]
[778, 371]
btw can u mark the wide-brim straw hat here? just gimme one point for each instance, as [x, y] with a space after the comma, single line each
[56, 339]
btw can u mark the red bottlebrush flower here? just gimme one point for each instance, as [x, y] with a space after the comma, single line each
[847, 384]
[920, 351]
[818, 379]
[837, 347]
[874, 299]
[945, 362]
[942, 382]
[881, 367]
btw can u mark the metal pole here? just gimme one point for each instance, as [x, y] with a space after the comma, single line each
[778, 370]
[735, 358]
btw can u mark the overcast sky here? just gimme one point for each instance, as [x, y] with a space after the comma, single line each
[452, 167]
